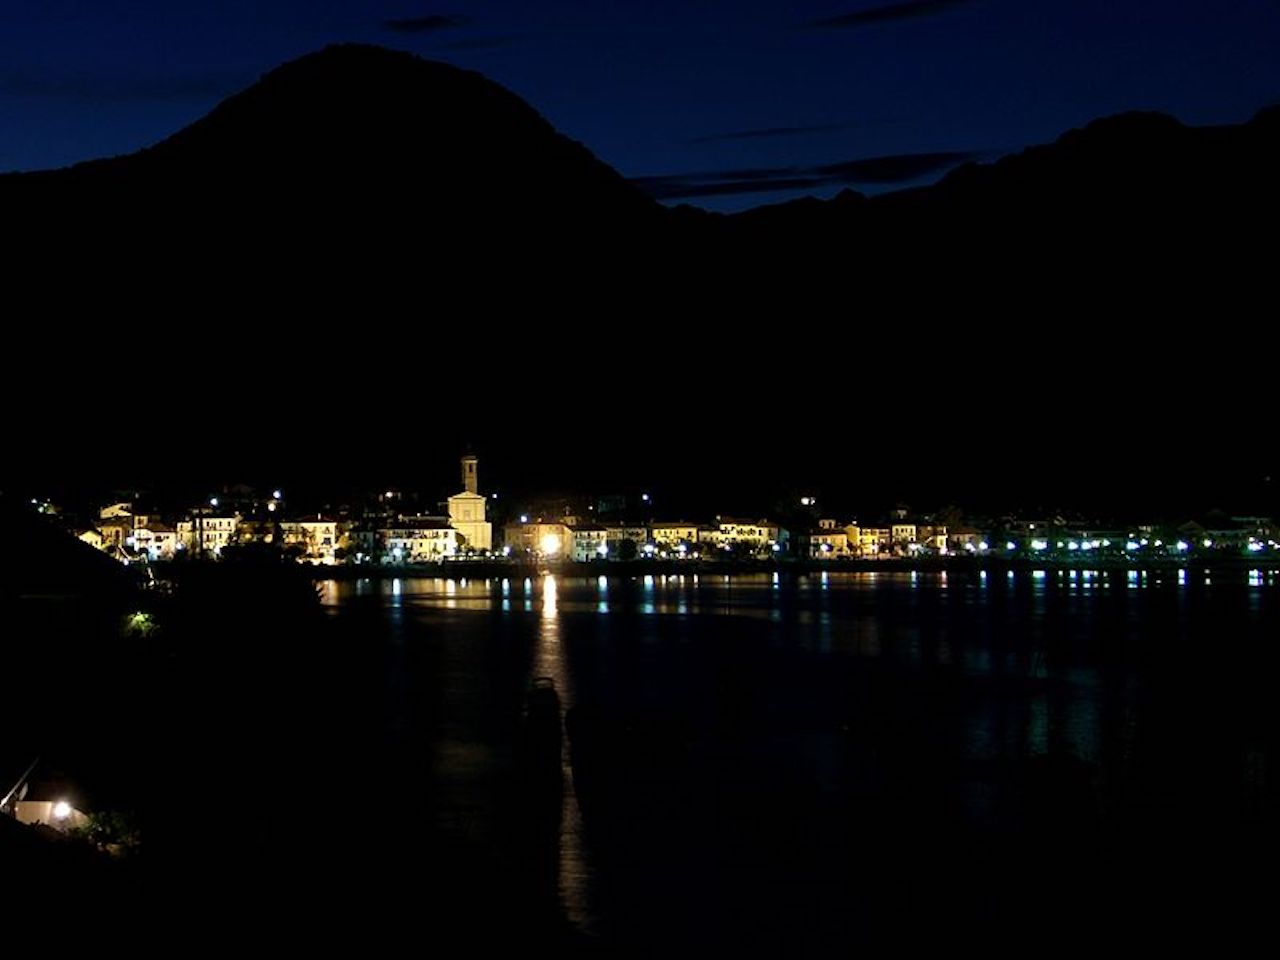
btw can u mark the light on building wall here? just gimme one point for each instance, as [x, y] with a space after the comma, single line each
[524, 518]
[61, 810]
[1183, 546]
[213, 501]
[1010, 545]
[271, 507]
[806, 501]
[550, 545]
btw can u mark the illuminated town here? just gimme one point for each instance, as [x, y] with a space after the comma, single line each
[390, 529]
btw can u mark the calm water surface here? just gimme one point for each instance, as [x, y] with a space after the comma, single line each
[821, 761]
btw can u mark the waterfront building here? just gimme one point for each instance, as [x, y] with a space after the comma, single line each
[825, 543]
[902, 535]
[875, 541]
[671, 535]
[317, 537]
[758, 534]
[616, 535]
[419, 540]
[585, 542]
[538, 538]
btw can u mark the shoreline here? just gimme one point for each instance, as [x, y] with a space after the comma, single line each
[482, 569]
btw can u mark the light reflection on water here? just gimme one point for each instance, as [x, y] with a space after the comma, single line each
[549, 660]
[1028, 648]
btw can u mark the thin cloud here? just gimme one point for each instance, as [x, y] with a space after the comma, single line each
[895, 168]
[93, 88]
[889, 169]
[432, 23]
[889, 13]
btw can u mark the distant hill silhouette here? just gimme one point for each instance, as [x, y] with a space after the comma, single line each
[1134, 182]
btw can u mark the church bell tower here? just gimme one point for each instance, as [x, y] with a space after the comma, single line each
[469, 482]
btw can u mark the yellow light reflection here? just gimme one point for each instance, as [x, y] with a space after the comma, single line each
[549, 660]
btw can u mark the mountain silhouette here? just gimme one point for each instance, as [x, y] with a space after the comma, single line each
[1128, 192]
[351, 151]
[370, 162]
[364, 246]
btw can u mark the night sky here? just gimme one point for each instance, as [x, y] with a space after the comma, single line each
[660, 88]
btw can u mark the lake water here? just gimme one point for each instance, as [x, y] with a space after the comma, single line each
[807, 764]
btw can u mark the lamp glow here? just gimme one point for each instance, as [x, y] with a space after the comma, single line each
[61, 810]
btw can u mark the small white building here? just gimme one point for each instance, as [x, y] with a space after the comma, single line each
[419, 540]
[826, 543]
[902, 534]
[670, 535]
[207, 535]
[752, 534]
[874, 541]
[91, 536]
[317, 536]
[616, 535]
[157, 540]
[586, 542]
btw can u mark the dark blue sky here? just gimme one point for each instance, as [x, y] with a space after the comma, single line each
[667, 87]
